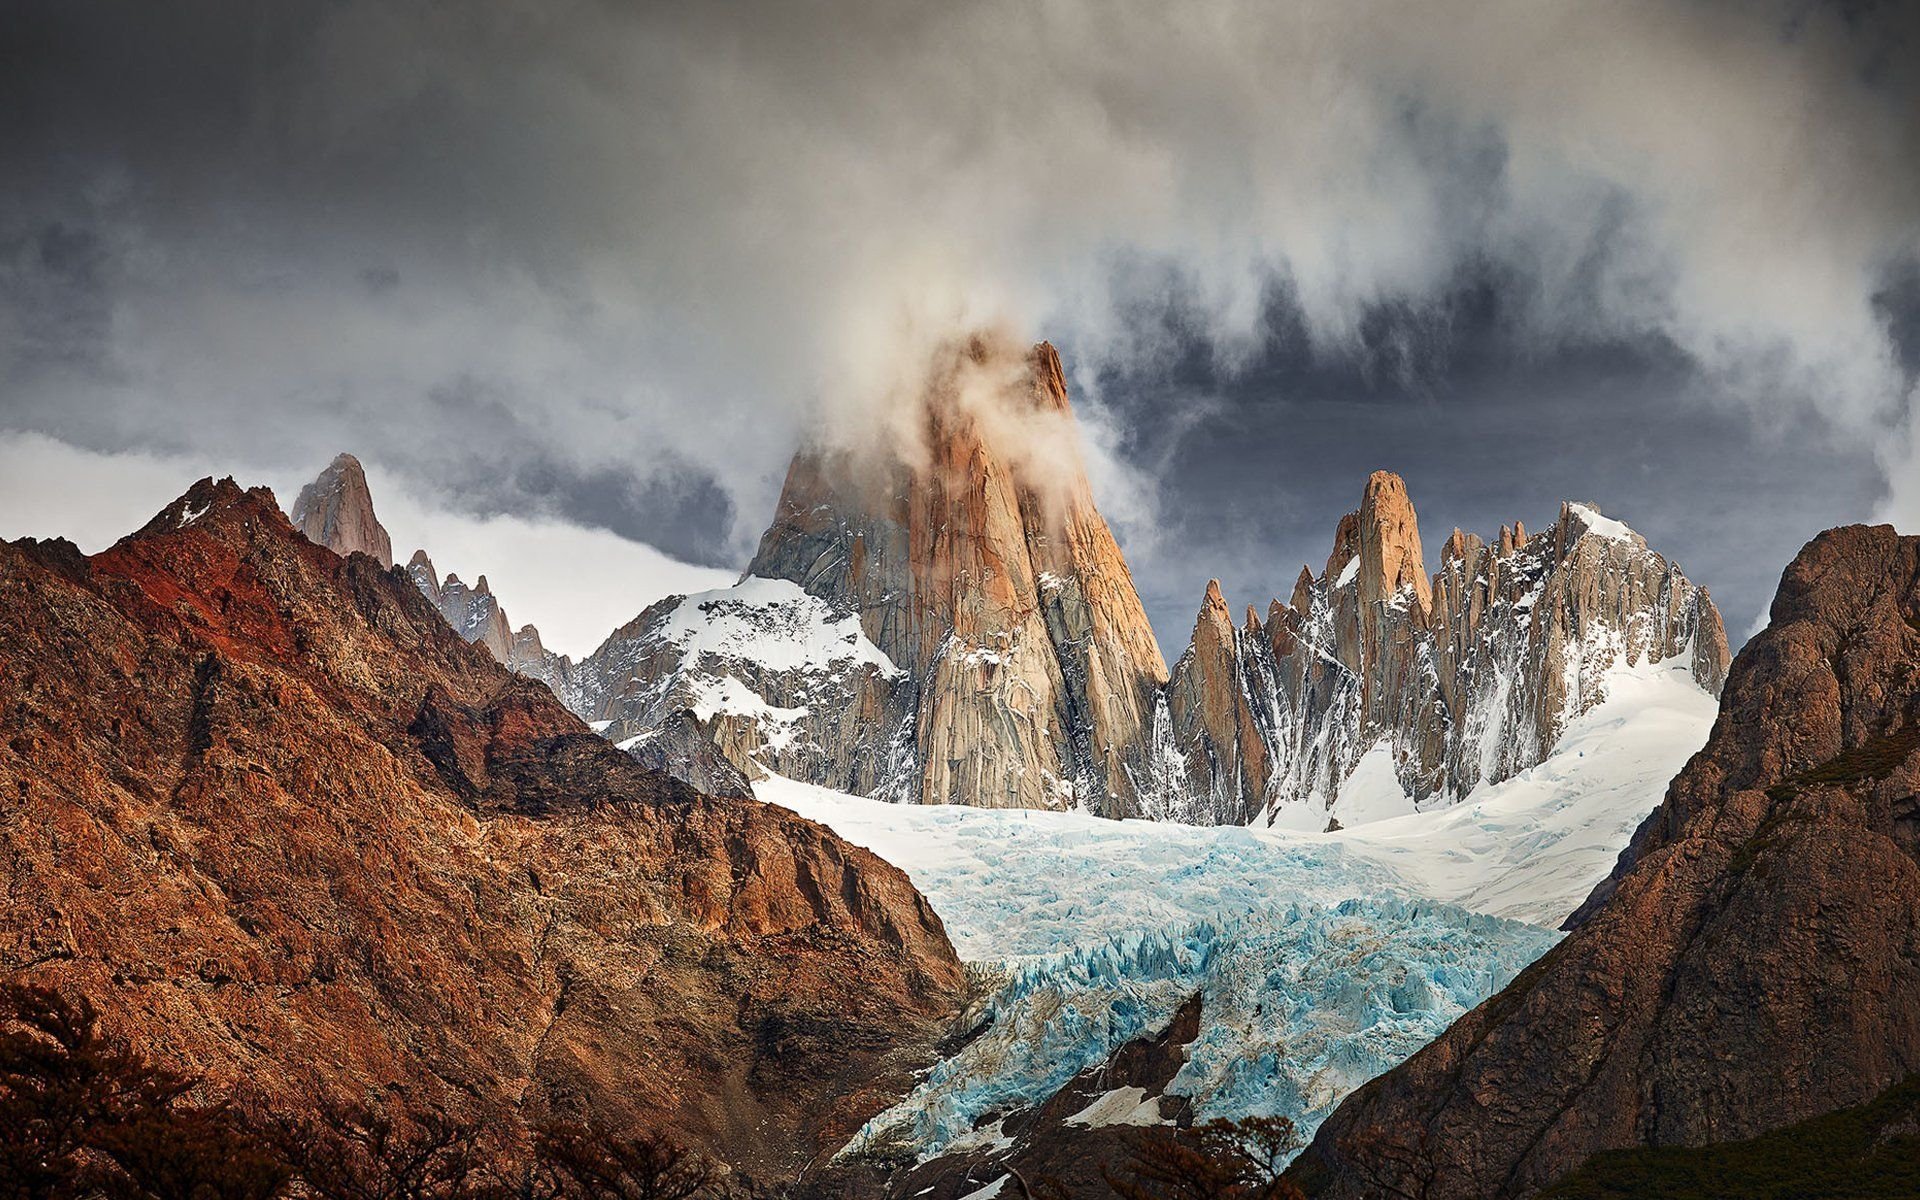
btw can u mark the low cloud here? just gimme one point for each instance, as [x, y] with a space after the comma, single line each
[51, 489]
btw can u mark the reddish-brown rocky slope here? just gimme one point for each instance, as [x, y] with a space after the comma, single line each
[1756, 960]
[265, 808]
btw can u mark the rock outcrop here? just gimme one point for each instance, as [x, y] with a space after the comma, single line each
[476, 615]
[778, 681]
[1754, 962]
[1465, 678]
[1023, 667]
[336, 511]
[682, 746]
[278, 822]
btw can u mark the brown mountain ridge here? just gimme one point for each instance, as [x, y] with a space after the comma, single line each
[279, 822]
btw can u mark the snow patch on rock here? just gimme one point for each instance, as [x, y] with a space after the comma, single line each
[1604, 526]
[772, 623]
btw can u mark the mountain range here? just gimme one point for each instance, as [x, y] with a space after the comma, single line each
[953, 622]
[818, 873]
[278, 821]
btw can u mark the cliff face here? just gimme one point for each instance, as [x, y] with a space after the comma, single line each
[776, 680]
[476, 615]
[280, 823]
[1465, 678]
[336, 511]
[1754, 962]
[981, 572]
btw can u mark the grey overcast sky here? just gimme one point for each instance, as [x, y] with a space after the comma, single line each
[605, 264]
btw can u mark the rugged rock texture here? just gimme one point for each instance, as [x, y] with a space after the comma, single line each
[1225, 732]
[281, 824]
[472, 611]
[1756, 960]
[476, 615]
[778, 680]
[683, 747]
[1466, 678]
[978, 567]
[336, 511]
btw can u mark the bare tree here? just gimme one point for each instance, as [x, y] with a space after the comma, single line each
[84, 1115]
[1220, 1160]
[353, 1152]
[594, 1165]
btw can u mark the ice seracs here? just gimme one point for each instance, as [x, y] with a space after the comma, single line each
[1319, 959]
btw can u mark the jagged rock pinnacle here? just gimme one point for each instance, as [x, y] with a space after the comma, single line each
[336, 511]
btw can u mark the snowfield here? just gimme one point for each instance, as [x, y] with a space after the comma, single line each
[1532, 847]
[1322, 959]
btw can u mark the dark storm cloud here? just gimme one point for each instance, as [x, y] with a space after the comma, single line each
[1485, 435]
[611, 261]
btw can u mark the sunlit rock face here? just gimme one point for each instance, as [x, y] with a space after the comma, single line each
[276, 820]
[1461, 679]
[1014, 664]
[336, 511]
[959, 627]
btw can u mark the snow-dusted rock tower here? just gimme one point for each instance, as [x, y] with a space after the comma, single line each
[959, 624]
[951, 621]
[1464, 678]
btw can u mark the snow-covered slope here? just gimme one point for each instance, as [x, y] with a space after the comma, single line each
[1532, 847]
[1321, 959]
[775, 679]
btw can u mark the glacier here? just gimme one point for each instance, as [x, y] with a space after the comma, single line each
[1321, 959]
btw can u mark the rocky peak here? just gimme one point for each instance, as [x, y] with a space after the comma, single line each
[336, 511]
[1466, 677]
[1754, 962]
[1346, 547]
[979, 564]
[1049, 379]
[1302, 599]
[420, 570]
[337, 504]
[305, 787]
[1389, 543]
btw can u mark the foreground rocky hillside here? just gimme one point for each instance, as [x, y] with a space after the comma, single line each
[1754, 962]
[278, 822]
[1464, 678]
